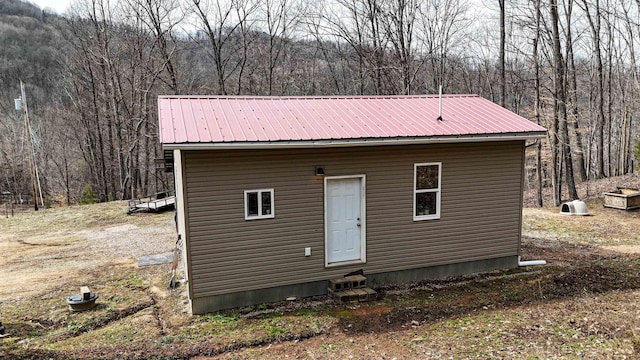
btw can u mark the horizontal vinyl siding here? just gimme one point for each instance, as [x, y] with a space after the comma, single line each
[480, 211]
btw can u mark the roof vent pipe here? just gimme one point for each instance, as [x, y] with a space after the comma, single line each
[439, 118]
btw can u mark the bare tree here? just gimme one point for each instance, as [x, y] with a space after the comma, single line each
[358, 23]
[572, 94]
[536, 71]
[501, 61]
[279, 19]
[594, 20]
[217, 20]
[160, 17]
[401, 16]
[443, 25]
[561, 136]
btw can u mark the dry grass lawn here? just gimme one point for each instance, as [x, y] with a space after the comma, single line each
[584, 304]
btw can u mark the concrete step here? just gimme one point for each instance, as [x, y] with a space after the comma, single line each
[360, 294]
[347, 283]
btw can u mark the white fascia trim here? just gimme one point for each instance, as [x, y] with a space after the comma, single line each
[351, 142]
[182, 214]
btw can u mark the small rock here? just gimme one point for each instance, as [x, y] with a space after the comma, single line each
[414, 323]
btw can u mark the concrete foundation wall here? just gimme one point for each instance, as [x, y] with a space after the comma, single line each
[208, 304]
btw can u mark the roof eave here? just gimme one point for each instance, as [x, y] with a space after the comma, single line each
[354, 142]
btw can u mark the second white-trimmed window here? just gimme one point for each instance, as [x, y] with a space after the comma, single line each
[258, 204]
[426, 191]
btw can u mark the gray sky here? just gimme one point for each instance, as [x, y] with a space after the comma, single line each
[58, 6]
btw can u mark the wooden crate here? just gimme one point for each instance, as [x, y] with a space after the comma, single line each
[622, 198]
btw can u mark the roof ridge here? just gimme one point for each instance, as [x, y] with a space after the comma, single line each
[319, 97]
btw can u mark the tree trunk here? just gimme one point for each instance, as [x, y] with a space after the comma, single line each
[503, 76]
[560, 111]
[536, 70]
[600, 118]
[572, 100]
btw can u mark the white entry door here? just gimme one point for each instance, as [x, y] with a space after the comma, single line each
[344, 220]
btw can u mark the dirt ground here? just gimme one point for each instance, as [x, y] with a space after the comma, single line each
[585, 303]
[67, 244]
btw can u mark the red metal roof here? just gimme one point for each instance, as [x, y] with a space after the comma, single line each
[219, 120]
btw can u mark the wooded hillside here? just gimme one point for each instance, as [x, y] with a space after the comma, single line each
[92, 75]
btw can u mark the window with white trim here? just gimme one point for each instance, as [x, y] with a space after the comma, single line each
[426, 191]
[258, 204]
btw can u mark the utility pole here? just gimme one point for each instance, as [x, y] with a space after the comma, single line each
[33, 168]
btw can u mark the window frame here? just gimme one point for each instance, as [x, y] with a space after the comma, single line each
[260, 215]
[437, 191]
